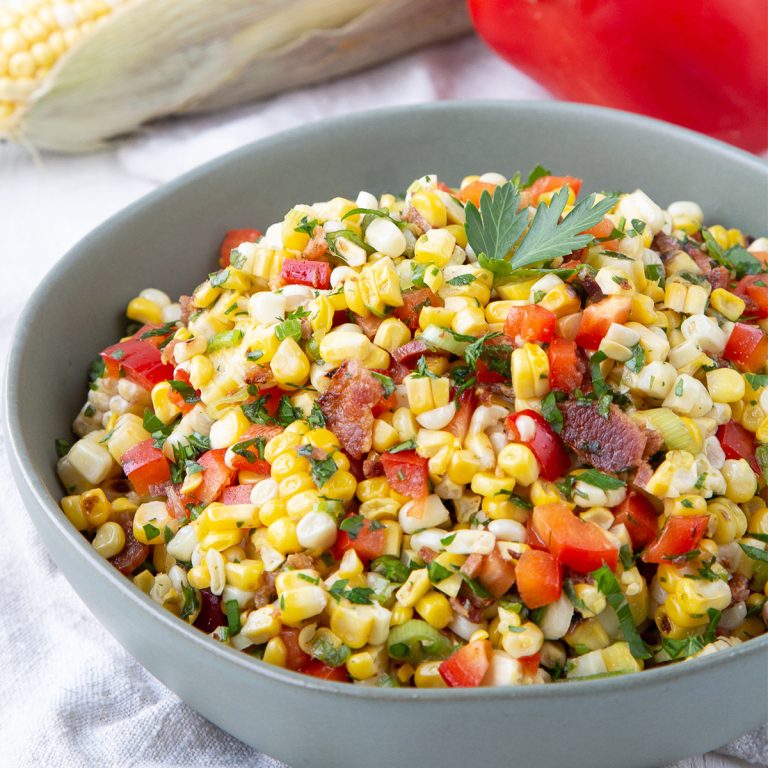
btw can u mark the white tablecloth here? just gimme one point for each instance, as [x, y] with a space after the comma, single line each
[69, 694]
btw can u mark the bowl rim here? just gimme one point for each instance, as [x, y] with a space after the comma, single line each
[48, 511]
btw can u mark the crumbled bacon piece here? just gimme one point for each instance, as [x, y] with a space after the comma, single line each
[739, 585]
[368, 324]
[187, 305]
[317, 248]
[472, 566]
[347, 406]
[372, 466]
[719, 277]
[300, 561]
[427, 554]
[612, 443]
[133, 553]
[257, 375]
[412, 216]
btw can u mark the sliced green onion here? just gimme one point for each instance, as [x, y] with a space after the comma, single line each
[442, 338]
[670, 426]
[417, 641]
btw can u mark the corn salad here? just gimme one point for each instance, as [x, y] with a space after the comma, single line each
[493, 434]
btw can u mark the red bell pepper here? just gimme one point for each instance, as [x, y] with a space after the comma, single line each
[639, 517]
[579, 544]
[531, 323]
[138, 360]
[413, 302]
[368, 541]
[592, 52]
[316, 668]
[474, 191]
[602, 231]
[496, 574]
[155, 334]
[237, 494]
[539, 578]
[747, 346]
[543, 441]
[295, 659]
[179, 374]
[597, 318]
[406, 473]
[530, 664]
[459, 424]
[566, 367]
[754, 290]
[216, 477]
[316, 274]
[466, 667]
[545, 184]
[738, 442]
[232, 239]
[145, 466]
[680, 534]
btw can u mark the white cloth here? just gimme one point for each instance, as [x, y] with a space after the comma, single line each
[69, 694]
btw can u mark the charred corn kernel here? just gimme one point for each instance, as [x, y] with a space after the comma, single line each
[275, 652]
[589, 634]
[297, 605]
[727, 521]
[427, 675]
[740, 480]
[281, 534]
[440, 316]
[697, 596]
[679, 616]
[431, 207]
[341, 485]
[487, 484]
[372, 488]
[464, 465]
[271, 511]
[517, 461]
[434, 247]
[109, 539]
[758, 521]
[562, 300]
[415, 587]
[199, 576]
[400, 614]
[73, 509]
[470, 322]
[352, 624]
[244, 575]
[391, 334]
[290, 364]
[96, 507]
[435, 609]
[164, 409]
[393, 535]
[727, 304]
[293, 484]
[725, 385]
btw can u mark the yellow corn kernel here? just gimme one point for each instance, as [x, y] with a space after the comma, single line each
[458, 231]
[427, 675]
[245, 574]
[686, 505]
[727, 521]
[415, 587]
[530, 371]
[435, 609]
[517, 291]
[470, 322]
[391, 334]
[262, 340]
[400, 614]
[350, 565]
[543, 492]
[385, 436]
[262, 625]
[386, 282]
[144, 581]
[271, 511]
[281, 534]
[562, 300]
[762, 431]
[434, 247]
[275, 652]
[502, 508]
[199, 576]
[487, 484]
[405, 423]
[143, 310]
[725, 385]
[727, 304]
[740, 480]
[380, 509]
[341, 485]
[96, 507]
[431, 207]
[221, 540]
[205, 294]
[372, 488]
[697, 596]
[758, 521]
[367, 663]
[290, 364]
[164, 409]
[419, 394]
[109, 539]
[678, 615]
[440, 316]
[751, 417]
[73, 509]
[352, 624]
[200, 371]
[285, 441]
[497, 311]
[299, 604]
[518, 462]
[393, 536]
[293, 484]
[588, 633]
[464, 465]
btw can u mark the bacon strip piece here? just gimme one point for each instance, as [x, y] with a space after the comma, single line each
[612, 444]
[347, 406]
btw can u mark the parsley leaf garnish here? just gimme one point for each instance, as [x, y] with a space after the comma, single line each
[316, 418]
[188, 393]
[551, 412]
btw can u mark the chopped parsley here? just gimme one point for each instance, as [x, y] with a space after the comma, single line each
[407, 445]
[600, 480]
[62, 447]
[551, 412]
[187, 391]
[465, 279]
[217, 279]
[244, 449]
[286, 413]
[391, 568]
[232, 612]
[288, 329]
[357, 595]
[386, 383]
[691, 645]
[437, 572]
[150, 531]
[637, 361]
[316, 418]
[225, 339]
[355, 523]
[191, 602]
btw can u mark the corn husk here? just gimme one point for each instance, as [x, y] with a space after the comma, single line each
[146, 59]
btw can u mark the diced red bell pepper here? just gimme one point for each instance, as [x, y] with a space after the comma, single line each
[216, 477]
[368, 543]
[580, 544]
[138, 360]
[466, 667]
[484, 373]
[639, 517]
[406, 473]
[496, 574]
[566, 367]
[179, 374]
[539, 578]
[237, 494]
[153, 333]
[232, 239]
[545, 443]
[248, 460]
[531, 323]
[680, 534]
[410, 352]
[754, 288]
[459, 424]
[597, 318]
[474, 191]
[316, 274]
[747, 346]
[413, 302]
[546, 184]
[738, 442]
[271, 399]
[530, 664]
[145, 466]
[295, 659]
[316, 668]
[601, 231]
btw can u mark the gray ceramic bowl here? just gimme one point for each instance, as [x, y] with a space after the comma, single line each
[167, 240]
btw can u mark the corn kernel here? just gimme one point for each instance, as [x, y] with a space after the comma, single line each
[96, 507]
[109, 539]
[281, 534]
[431, 207]
[435, 609]
[427, 675]
[290, 364]
[275, 652]
[73, 509]
[725, 385]
[416, 586]
[518, 462]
